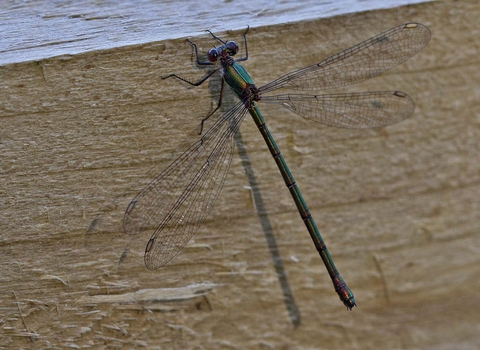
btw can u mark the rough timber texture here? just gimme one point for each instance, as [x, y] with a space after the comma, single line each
[398, 207]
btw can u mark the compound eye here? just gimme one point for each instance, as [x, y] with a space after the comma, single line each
[213, 55]
[231, 47]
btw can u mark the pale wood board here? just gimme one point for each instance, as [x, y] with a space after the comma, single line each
[398, 207]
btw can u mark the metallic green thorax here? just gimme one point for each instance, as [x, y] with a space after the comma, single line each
[237, 78]
[242, 84]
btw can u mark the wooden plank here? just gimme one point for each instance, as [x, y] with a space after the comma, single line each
[398, 207]
[37, 30]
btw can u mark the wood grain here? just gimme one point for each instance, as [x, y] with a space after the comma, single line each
[398, 207]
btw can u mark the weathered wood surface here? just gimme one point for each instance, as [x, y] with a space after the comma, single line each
[398, 207]
[42, 29]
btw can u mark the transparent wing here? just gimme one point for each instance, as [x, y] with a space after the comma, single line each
[360, 62]
[354, 111]
[175, 204]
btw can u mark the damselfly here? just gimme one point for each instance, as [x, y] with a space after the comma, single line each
[175, 204]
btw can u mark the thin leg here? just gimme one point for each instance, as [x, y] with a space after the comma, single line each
[246, 47]
[200, 82]
[218, 106]
[200, 63]
[197, 84]
[216, 37]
